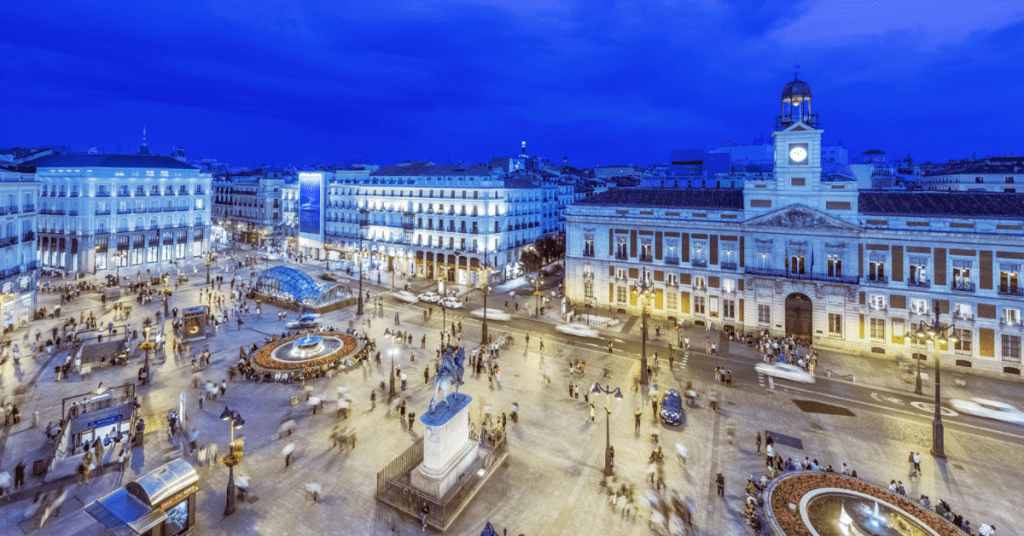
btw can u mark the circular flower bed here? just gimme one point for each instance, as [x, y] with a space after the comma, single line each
[792, 487]
[264, 356]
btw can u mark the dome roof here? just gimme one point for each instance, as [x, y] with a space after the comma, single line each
[796, 88]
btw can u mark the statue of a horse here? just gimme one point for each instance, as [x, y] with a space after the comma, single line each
[450, 374]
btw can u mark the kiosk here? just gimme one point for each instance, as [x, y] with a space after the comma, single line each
[194, 321]
[161, 503]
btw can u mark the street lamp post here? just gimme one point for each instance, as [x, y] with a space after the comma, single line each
[536, 292]
[940, 335]
[608, 392]
[235, 420]
[644, 290]
[394, 350]
[208, 263]
[146, 347]
[359, 257]
[486, 290]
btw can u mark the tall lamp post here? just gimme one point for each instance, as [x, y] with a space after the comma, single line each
[608, 393]
[486, 290]
[146, 347]
[393, 351]
[536, 291]
[940, 335]
[209, 261]
[644, 291]
[359, 259]
[235, 420]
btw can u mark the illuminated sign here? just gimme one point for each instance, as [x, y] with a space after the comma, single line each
[310, 203]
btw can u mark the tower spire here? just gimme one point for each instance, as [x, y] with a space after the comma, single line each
[144, 148]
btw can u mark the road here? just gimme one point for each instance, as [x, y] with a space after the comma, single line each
[699, 367]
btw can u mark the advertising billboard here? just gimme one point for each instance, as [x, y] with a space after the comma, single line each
[310, 203]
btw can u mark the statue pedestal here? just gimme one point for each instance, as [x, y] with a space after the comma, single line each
[447, 450]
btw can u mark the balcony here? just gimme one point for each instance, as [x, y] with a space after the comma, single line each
[124, 211]
[672, 260]
[74, 194]
[408, 226]
[3, 211]
[962, 286]
[30, 208]
[73, 212]
[28, 237]
[13, 209]
[920, 283]
[878, 280]
[646, 258]
[1011, 291]
[10, 271]
[621, 256]
[699, 263]
[776, 272]
[728, 265]
[102, 194]
[104, 212]
[8, 241]
[32, 265]
[957, 315]
[588, 253]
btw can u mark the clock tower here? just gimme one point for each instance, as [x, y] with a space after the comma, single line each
[797, 162]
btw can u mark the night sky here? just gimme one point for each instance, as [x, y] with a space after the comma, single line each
[300, 82]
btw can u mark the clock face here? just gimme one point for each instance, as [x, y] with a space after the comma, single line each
[798, 154]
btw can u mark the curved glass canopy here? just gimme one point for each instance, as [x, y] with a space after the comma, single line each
[287, 284]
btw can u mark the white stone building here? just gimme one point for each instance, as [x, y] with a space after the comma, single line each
[809, 254]
[444, 222]
[18, 266]
[249, 205]
[101, 211]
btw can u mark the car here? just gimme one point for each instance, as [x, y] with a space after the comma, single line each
[451, 303]
[990, 409]
[305, 321]
[785, 371]
[429, 297]
[579, 330]
[671, 408]
[406, 296]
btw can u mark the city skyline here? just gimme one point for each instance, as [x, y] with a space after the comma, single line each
[604, 84]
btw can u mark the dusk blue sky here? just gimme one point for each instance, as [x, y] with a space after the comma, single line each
[304, 82]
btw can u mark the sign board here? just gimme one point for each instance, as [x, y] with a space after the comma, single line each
[311, 210]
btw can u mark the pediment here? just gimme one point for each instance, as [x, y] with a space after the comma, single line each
[802, 217]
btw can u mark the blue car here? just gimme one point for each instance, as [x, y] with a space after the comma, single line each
[671, 408]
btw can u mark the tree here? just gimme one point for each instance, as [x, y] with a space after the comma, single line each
[531, 259]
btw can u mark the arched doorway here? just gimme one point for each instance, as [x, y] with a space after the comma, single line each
[798, 315]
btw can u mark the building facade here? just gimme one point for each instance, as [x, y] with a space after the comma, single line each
[808, 254]
[100, 212]
[18, 266]
[445, 222]
[248, 206]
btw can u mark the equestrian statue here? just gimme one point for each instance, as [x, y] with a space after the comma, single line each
[450, 374]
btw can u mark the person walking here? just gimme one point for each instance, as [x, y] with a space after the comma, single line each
[287, 452]
[373, 399]
[424, 513]
[19, 474]
[541, 345]
[758, 442]
[910, 462]
[636, 417]
[917, 463]
[212, 453]
[720, 481]
[591, 412]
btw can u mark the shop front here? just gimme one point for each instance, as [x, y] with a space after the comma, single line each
[161, 503]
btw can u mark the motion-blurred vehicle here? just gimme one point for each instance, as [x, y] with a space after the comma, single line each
[305, 321]
[990, 409]
[671, 408]
[429, 297]
[579, 330]
[451, 303]
[785, 371]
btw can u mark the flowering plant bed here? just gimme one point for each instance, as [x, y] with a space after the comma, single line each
[790, 488]
[264, 356]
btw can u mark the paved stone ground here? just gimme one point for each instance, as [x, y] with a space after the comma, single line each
[552, 481]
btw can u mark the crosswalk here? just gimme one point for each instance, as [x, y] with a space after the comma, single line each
[760, 379]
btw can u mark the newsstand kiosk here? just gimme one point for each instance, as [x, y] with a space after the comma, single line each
[161, 503]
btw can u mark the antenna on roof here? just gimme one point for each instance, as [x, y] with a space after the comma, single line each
[144, 148]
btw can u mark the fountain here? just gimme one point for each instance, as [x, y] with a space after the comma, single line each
[309, 350]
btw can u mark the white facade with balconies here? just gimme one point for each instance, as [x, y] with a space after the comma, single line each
[98, 212]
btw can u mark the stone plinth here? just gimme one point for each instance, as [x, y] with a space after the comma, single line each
[447, 450]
